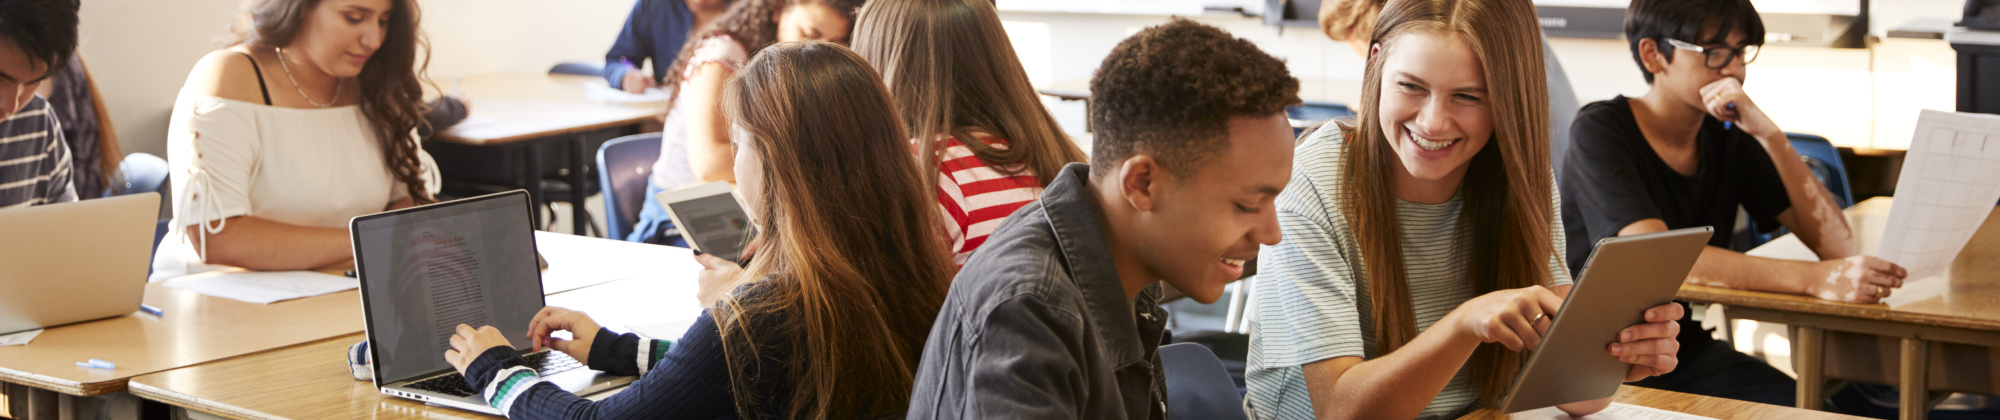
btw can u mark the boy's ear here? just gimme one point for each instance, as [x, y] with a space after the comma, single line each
[1650, 57]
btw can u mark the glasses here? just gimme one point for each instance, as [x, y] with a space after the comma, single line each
[1718, 57]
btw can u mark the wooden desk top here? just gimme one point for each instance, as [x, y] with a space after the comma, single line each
[1965, 296]
[514, 107]
[196, 329]
[1337, 92]
[310, 381]
[1720, 408]
[577, 262]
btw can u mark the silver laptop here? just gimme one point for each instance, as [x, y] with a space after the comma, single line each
[72, 262]
[424, 270]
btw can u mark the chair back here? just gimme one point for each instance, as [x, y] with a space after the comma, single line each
[581, 69]
[623, 166]
[1824, 159]
[1198, 386]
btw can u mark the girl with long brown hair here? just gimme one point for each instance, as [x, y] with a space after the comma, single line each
[986, 142]
[694, 141]
[307, 121]
[829, 318]
[1421, 250]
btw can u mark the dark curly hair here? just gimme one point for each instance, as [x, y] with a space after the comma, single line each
[752, 23]
[1170, 90]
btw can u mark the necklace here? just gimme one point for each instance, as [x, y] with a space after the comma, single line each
[302, 91]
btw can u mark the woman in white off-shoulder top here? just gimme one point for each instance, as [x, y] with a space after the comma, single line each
[277, 141]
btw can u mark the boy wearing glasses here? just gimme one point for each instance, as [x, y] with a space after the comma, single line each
[1689, 153]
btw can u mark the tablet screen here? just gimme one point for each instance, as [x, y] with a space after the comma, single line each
[715, 224]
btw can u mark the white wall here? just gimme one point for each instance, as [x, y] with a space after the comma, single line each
[1864, 98]
[140, 51]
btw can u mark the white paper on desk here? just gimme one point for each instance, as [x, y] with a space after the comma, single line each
[1617, 411]
[263, 287]
[603, 93]
[19, 338]
[1950, 180]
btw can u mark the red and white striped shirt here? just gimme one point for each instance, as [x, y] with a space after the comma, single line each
[975, 197]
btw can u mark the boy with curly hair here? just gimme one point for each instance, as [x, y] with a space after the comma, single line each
[1057, 315]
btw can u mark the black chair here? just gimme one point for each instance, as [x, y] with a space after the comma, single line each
[580, 69]
[1197, 385]
[623, 166]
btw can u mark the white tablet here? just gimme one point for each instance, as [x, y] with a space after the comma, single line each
[711, 217]
[1624, 276]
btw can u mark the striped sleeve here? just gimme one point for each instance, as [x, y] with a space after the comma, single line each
[1558, 269]
[35, 166]
[975, 198]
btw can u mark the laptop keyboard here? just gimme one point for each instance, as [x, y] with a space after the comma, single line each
[544, 363]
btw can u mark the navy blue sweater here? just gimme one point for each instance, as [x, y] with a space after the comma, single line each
[656, 30]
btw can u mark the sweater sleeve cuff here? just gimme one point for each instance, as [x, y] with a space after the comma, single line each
[612, 352]
[484, 368]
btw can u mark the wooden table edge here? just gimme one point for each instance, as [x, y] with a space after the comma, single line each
[45, 382]
[190, 402]
[1877, 311]
[448, 138]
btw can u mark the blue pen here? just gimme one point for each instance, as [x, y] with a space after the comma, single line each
[1725, 124]
[152, 310]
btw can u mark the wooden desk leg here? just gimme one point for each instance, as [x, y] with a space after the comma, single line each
[1915, 380]
[531, 163]
[39, 404]
[579, 218]
[1808, 358]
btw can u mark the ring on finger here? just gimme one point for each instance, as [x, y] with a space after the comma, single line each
[1538, 318]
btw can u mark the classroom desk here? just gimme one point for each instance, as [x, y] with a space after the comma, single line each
[1959, 309]
[1719, 408]
[188, 335]
[310, 381]
[517, 115]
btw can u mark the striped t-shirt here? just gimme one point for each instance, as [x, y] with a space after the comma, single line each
[975, 197]
[34, 162]
[1309, 294]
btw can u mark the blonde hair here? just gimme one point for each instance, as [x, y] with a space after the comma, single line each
[1343, 19]
[1506, 192]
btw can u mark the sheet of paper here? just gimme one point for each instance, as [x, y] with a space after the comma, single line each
[1950, 180]
[603, 93]
[1617, 411]
[263, 287]
[19, 338]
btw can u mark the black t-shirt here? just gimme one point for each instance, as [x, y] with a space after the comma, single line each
[1613, 178]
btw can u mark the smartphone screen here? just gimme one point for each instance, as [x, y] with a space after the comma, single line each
[715, 224]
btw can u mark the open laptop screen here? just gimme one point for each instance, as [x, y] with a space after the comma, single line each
[426, 270]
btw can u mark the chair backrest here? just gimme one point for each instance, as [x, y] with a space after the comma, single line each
[1198, 386]
[581, 69]
[1824, 159]
[623, 166]
[138, 173]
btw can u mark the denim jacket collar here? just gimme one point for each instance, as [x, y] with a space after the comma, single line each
[1079, 230]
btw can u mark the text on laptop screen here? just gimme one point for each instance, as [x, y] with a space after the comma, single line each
[427, 271]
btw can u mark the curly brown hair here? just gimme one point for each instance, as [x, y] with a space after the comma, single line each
[1170, 91]
[752, 23]
[1344, 19]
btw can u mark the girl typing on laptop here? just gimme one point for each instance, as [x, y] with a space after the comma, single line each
[830, 317]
